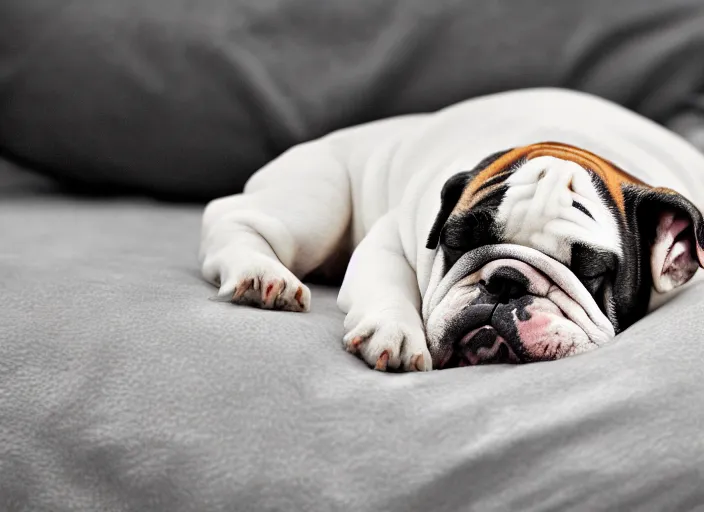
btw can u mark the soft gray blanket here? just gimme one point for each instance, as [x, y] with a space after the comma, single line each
[123, 388]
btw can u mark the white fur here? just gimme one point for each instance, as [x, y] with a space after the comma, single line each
[537, 209]
[382, 181]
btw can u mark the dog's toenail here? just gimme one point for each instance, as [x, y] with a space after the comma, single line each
[383, 361]
[355, 343]
[419, 362]
[299, 294]
[241, 289]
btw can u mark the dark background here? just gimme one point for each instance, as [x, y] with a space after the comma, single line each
[186, 99]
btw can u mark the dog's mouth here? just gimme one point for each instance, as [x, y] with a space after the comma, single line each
[511, 304]
[526, 330]
[481, 346]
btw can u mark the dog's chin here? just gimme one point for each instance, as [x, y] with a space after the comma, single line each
[527, 329]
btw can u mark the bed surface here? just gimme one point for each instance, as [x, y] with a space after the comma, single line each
[122, 387]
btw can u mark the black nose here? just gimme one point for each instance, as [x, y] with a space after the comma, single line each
[507, 283]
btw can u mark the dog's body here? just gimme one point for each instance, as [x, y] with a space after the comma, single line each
[376, 190]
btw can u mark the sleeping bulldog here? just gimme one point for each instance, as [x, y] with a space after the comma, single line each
[518, 227]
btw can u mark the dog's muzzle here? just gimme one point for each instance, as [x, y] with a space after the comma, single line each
[511, 304]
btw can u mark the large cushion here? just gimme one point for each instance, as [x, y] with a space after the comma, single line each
[122, 387]
[189, 98]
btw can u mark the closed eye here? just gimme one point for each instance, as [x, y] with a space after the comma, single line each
[581, 208]
[591, 278]
[593, 284]
[453, 249]
[452, 254]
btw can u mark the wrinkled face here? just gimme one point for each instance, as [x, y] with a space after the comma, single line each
[548, 250]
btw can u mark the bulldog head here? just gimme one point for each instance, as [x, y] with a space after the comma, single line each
[548, 250]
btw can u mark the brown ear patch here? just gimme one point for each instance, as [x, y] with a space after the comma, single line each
[612, 176]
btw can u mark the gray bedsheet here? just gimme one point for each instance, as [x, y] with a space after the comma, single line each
[123, 388]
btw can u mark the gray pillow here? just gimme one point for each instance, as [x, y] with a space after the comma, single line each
[177, 97]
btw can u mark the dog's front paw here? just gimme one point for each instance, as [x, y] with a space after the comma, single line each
[261, 281]
[384, 343]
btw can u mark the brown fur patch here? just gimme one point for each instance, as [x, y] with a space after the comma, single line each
[613, 177]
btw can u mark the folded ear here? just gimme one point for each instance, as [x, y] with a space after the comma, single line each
[675, 229]
[451, 193]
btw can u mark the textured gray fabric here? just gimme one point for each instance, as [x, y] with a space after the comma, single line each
[122, 388]
[190, 98]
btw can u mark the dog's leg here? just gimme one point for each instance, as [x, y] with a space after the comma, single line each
[256, 246]
[381, 298]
